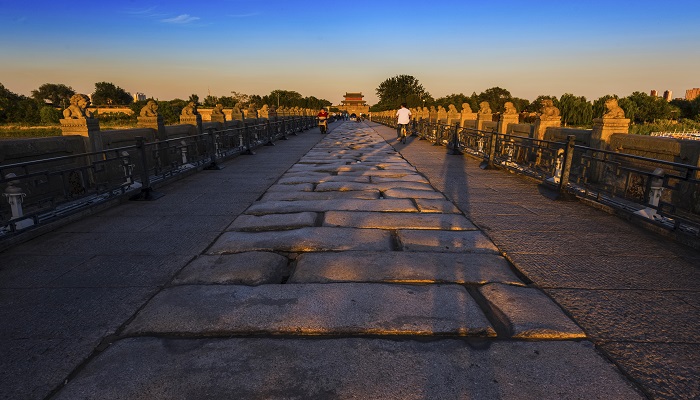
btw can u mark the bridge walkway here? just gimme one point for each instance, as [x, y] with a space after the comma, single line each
[349, 265]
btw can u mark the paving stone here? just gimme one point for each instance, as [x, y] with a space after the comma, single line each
[446, 241]
[267, 368]
[436, 206]
[529, 314]
[667, 370]
[402, 267]
[303, 240]
[299, 187]
[400, 193]
[341, 186]
[386, 205]
[325, 178]
[247, 222]
[290, 196]
[383, 220]
[334, 308]
[633, 315]
[407, 178]
[253, 268]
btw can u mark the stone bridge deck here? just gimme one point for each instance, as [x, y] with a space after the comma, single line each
[350, 266]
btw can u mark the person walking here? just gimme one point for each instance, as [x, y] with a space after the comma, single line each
[403, 116]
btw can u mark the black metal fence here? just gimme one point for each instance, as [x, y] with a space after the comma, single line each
[666, 193]
[38, 192]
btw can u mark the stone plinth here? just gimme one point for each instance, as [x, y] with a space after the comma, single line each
[481, 119]
[467, 120]
[87, 127]
[603, 128]
[505, 120]
[220, 118]
[542, 124]
[195, 120]
[155, 123]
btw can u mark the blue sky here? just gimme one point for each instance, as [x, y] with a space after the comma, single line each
[170, 49]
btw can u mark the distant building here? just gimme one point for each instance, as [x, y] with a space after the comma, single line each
[691, 94]
[138, 96]
[668, 94]
[354, 104]
[654, 93]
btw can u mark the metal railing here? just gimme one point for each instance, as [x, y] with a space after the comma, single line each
[664, 192]
[41, 191]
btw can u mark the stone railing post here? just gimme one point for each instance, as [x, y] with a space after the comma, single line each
[481, 119]
[15, 196]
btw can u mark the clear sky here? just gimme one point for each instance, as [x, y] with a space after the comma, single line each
[171, 49]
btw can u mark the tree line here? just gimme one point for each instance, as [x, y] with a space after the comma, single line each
[575, 110]
[46, 103]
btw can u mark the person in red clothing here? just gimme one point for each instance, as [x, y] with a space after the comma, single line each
[323, 120]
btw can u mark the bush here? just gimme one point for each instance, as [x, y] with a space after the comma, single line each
[50, 115]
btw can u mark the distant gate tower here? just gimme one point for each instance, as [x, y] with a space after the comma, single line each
[354, 104]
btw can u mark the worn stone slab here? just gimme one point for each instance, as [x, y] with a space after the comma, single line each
[299, 187]
[407, 178]
[403, 267]
[253, 268]
[270, 222]
[436, 206]
[267, 368]
[402, 193]
[311, 309]
[286, 180]
[303, 240]
[383, 220]
[386, 205]
[529, 313]
[446, 241]
[290, 196]
[344, 186]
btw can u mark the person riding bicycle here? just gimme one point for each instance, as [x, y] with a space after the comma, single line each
[403, 116]
[323, 120]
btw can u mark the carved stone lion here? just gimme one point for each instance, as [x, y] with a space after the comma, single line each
[451, 109]
[189, 110]
[548, 110]
[150, 109]
[509, 108]
[613, 109]
[218, 110]
[466, 108]
[78, 107]
[485, 108]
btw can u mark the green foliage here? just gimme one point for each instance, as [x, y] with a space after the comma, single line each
[401, 89]
[210, 101]
[599, 105]
[575, 110]
[136, 106]
[12, 131]
[456, 99]
[194, 98]
[50, 115]
[649, 108]
[56, 93]
[106, 93]
[171, 110]
[629, 107]
[17, 108]
[496, 97]
[536, 105]
[665, 126]
[689, 109]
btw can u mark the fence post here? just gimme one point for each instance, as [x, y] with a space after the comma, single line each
[488, 163]
[566, 169]
[453, 148]
[248, 150]
[146, 193]
[269, 134]
[213, 148]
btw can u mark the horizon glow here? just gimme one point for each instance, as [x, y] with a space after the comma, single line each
[171, 49]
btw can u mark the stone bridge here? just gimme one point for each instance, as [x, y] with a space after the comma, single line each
[349, 265]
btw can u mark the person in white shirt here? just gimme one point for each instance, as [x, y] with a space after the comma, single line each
[403, 116]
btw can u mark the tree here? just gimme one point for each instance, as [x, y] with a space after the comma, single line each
[106, 93]
[575, 110]
[456, 99]
[496, 97]
[56, 93]
[649, 108]
[17, 108]
[536, 106]
[194, 99]
[286, 98]
[401, 89]
[49, 115]
[210, 101]
[239, 98]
